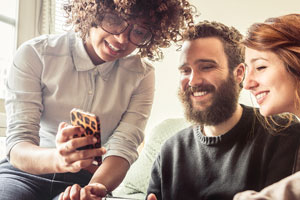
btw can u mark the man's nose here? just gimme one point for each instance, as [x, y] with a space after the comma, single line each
[195, 79]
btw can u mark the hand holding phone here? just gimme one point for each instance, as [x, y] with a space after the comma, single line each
[91, 124]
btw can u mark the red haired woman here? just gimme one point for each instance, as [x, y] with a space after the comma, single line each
[272, 57]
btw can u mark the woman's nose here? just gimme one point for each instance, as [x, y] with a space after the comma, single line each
[123, 37]
[250, 83]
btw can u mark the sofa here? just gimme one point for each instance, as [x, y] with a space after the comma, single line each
[137, 178]
[2, 147]
[2, 134]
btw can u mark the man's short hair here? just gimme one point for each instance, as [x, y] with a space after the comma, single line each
[229, 36]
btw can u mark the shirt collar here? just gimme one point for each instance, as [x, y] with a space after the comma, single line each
[82, 61]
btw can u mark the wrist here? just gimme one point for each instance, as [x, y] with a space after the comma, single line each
[57, 168]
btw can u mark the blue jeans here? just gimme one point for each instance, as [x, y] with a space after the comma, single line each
[16, 184]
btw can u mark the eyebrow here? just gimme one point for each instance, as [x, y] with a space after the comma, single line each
[256, 59]
[199, 61]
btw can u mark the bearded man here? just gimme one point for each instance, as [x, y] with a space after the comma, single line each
[227, 149]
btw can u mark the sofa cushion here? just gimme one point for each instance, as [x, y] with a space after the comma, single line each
[2, 148]
[135, 183]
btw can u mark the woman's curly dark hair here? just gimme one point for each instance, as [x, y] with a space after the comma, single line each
[169, 19]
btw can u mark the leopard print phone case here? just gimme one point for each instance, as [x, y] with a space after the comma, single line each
[91, 124]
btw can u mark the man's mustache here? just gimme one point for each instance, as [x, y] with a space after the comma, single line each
[200, 88]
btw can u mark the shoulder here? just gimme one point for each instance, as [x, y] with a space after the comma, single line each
[183, 137]
[274, 126]
[47, 44]
[282, 124]
[179, 144]
[249, 111]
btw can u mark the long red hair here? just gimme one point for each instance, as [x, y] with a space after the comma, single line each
[281, 35]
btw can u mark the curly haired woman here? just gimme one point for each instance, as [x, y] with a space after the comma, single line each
[92, 68]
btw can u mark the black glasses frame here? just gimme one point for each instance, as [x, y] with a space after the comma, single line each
[127, 24]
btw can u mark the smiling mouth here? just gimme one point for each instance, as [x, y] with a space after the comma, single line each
[199, 94]
[113, 48]
[200, 91]
[261, 95]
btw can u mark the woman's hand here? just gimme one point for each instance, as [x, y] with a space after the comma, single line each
[93, 191]
[68, 158]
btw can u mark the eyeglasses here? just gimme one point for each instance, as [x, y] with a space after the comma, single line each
[114, 24]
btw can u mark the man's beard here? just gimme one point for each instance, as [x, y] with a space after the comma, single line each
[224, 103]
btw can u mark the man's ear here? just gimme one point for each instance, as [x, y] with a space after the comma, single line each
[239, 73]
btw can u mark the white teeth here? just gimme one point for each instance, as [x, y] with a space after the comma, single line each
[261, 95]
[113, 48]
[198, 94]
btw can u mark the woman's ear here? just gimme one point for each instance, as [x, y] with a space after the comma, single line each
[239, 73]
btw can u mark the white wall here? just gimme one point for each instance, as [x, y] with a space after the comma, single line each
[238, 13]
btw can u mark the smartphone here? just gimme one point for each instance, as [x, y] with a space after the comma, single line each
[91, 123]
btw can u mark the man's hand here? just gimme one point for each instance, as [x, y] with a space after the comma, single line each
[151, 197]
[93, 191]
[68, 158]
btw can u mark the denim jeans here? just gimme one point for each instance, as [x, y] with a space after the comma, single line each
[16, 184]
